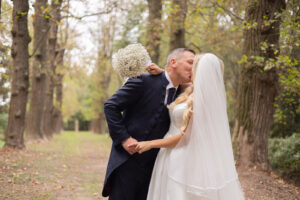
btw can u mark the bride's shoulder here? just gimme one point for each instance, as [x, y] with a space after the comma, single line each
[179, 105]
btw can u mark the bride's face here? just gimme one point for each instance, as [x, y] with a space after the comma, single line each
[195, 65]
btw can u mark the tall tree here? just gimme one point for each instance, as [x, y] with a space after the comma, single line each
[154, 28]
[57, 121]
[55, 18]
[102, 73]
[177, 32]
[0, 8]
[258, 82]
[38, 77]
[20, 75]
[61, 46]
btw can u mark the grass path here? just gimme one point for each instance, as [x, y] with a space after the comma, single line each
[71, 166]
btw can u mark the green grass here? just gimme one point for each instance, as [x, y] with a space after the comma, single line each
[1, 139]
[68, 160]
[42, 197]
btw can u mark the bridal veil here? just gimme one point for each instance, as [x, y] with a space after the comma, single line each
[202, 163]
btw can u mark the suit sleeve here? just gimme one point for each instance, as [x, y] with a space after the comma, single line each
[128, 95]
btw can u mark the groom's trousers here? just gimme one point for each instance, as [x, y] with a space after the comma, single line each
[130, 181]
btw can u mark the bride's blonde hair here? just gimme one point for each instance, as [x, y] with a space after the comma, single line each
[188, 95]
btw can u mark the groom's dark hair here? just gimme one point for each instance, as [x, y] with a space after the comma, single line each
[177, 53]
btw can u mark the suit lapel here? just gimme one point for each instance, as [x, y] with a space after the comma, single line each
[164, 80]
[164, 83]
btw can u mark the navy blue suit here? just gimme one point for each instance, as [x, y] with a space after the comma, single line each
[137, 110]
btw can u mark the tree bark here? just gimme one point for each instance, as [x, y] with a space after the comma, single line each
[20, 75]
[40, 63]
[178, 15]
[48, 128]
[0, 8]
[257, 87]
[58, 119]
[57, 116]
[98, 125]
[154, 28]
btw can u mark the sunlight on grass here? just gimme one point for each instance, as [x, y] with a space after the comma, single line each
[1, 140]
[70, 142]
[1, 143]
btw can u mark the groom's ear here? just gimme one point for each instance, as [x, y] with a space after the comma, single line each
[173, 62]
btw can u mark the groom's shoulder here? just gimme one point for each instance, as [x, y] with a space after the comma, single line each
[151, 76]
[145, 79]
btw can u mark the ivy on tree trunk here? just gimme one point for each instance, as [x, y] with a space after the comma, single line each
[258, 82]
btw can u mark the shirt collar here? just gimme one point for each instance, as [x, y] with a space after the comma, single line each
[170, 85]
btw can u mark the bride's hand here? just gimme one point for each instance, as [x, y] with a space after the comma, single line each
[154, 69]
[143, 146]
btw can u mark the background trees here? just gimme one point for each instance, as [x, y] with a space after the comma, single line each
[71, 74]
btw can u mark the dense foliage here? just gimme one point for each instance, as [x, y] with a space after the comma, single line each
[284, 155]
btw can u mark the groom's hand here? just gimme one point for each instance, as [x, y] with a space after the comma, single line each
[126, 145]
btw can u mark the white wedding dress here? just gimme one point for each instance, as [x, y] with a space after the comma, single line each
[201, 166]
[159, 189]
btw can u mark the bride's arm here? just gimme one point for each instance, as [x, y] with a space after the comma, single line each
[169, 142]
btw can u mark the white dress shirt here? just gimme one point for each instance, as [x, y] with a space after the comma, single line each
[170, 85]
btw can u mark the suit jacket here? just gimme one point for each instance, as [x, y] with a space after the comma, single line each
[133, 111]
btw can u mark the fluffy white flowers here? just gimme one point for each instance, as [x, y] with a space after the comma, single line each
[131, 61]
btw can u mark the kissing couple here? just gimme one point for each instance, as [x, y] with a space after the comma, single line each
[170, 134]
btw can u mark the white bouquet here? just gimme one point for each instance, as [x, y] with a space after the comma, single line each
[131, 61]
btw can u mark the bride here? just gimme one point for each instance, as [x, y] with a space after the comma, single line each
[196, 159]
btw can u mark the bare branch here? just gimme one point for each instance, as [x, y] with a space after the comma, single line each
[226, 10]
[107, 11]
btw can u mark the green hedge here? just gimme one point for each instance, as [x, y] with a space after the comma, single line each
[284, 154]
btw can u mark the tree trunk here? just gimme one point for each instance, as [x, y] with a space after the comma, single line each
[57, 117]
[154, 28]
[50, 73]
[98, 125]
[20, 75]
[178, 15]
[95, 126]
[257, 87]
[40, 63]
[76, 126]
[0, 8]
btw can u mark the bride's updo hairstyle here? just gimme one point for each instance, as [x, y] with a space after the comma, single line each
[187, 96]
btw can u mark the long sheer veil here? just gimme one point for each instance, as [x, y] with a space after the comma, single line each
[203, 162]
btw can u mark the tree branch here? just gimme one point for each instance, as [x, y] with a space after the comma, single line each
[107, 11]
[226, 10]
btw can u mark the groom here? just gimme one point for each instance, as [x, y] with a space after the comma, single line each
[137, 112]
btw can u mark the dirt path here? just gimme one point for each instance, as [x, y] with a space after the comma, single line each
[72, 166]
